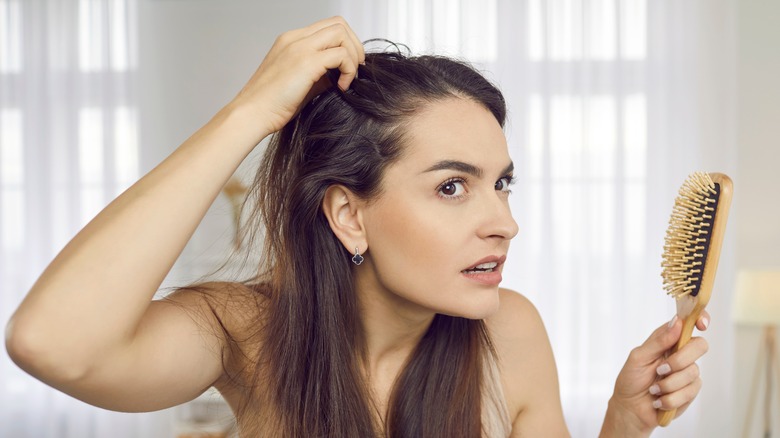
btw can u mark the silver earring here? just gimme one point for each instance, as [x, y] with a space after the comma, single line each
[357, 258]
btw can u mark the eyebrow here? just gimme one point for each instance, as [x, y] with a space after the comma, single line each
[461, 166]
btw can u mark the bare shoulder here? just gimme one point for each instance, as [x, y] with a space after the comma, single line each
[514, 309]
[528, 370]
[517, 333]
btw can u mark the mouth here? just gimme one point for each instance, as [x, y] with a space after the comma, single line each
[486, 265]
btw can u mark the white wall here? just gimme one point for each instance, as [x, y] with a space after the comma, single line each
[759, 133]
[757, 189]
[194, 57]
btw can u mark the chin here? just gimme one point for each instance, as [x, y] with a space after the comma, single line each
[477, 307]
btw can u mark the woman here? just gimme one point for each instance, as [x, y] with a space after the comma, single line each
[378, 311]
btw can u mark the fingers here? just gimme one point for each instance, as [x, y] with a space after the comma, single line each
[687, 355]
[680, 381]
[661, 340]
[304, 32]
[336, 58]
[361, 55]
[675, 381]
[295, 70]
[679, 398]
[338, 50]
[664, 338]
[328, 34]
[704, 321]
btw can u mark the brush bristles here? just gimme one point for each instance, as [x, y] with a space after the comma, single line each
[688, 236]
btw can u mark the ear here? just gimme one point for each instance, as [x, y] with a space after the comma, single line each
[345, 216]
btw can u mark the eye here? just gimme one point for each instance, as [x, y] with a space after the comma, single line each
[504, 182]
[452, 188]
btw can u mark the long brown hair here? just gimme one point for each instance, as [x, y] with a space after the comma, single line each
[312, 343]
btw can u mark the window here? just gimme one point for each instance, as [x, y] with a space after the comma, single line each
[68, 146]
[464, 27]
[68, 120]
[11, 177]
[574, 75]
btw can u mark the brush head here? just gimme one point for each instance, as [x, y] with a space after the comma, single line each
[689, 237]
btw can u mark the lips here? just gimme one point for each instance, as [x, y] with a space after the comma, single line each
[485, 272]
[486, 265]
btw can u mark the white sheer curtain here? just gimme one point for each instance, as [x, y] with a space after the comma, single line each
[612, 103]
[68, 146]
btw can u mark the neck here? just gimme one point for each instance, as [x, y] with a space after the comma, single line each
[392, 325]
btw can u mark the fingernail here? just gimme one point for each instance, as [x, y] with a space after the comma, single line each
[705, 322]
[657, 403]
[655, 390]
[671, 323]
[663, 369]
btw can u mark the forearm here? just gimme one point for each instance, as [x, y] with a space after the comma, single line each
[94, 293]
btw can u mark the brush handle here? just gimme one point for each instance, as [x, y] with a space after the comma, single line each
[689, 322]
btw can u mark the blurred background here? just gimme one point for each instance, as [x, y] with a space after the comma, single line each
[612, 103]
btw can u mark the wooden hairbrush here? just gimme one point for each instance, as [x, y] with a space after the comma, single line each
[692, 249]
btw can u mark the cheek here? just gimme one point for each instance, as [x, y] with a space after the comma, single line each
[417, 248]
[405, 241]
[416, 254]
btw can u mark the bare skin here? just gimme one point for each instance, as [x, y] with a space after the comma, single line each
[130, 353]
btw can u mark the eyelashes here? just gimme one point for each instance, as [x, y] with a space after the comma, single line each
[453, 188]
[456, 188]
[504, 182]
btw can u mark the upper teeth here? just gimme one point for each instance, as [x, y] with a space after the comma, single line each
[489, 265]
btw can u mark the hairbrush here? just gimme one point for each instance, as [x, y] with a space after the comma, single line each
[692, 249]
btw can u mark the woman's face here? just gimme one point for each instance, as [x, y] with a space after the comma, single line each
[439, 232]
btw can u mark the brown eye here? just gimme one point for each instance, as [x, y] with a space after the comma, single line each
[451, 189]
[503, 184]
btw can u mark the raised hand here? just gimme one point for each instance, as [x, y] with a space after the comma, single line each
[293, 72]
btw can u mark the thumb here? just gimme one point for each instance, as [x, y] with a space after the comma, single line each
[660, 341]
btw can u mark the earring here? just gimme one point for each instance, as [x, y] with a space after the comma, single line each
[357, 258]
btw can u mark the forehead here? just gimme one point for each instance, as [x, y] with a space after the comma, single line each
[455, 129]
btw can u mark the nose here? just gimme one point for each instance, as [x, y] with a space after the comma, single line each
[497, 220]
